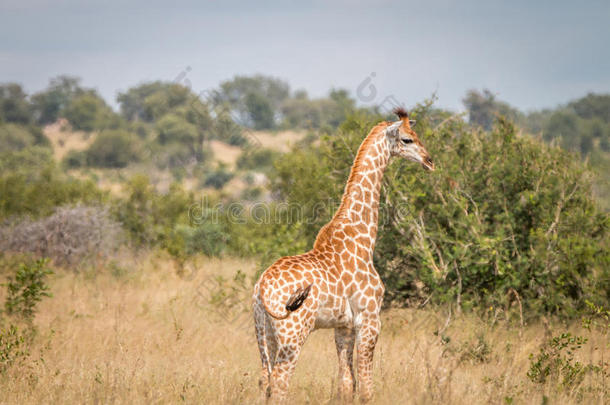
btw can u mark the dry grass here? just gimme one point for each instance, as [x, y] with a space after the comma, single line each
[64, 140]
[225, 153]
[281, 141]
[136, 333]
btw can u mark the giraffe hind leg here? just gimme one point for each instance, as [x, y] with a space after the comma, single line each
[266, 346]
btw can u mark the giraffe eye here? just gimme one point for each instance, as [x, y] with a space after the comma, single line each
[406, 140]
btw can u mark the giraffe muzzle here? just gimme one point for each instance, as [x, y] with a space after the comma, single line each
[428, 164]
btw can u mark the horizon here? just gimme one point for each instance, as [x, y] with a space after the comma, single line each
[531, 56]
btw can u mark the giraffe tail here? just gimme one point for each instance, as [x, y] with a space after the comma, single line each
[294, 302]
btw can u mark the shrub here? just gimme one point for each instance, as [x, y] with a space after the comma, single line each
[26, 289]
[555, 361]
[258, 159]
[70, 236]
[13, 347]
[207, 238]
[149, 217]
[501, 212]
[14, 137]
[218, 178]
[228, 131]
[31, 184]
[115, 148]
[75, 159]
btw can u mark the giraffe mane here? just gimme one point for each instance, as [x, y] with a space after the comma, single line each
[326, 231]
[401, 112]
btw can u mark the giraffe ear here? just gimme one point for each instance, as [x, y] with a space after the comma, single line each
[392, 130]
[412, 123]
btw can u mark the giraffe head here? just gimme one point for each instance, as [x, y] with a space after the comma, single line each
[404, 141]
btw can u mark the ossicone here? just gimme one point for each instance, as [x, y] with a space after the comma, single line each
[401, 112]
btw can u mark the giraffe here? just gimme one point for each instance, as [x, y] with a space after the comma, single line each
[334, 285]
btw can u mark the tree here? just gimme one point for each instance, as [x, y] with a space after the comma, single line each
[49, 103]
[483, 108]
[174, 128]
[114, 149]
[88, 112]
[327, 112]
[15, 137]
[243, 96]
[592, 106]
[14, 106]
[260, 110]
[150, 101]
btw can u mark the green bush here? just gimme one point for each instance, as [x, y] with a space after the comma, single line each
[257, 159]
[114, 148]
[149, 216]
[174, 128]
[13, 347]
[228, 131]
[555, 362]
[14, 137]
[31, 184]
[208, 238]
[218, 178]
[26, 289]
[75, 159]
[501, 212]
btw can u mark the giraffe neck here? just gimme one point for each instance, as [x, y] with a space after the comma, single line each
[359, 207]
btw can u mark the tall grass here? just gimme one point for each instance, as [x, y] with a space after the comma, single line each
[138, 334]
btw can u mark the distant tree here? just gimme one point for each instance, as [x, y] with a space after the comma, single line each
[329, 112]
[302, 113]
[226, 130]
[260, 111]
[15, 137]
[14, 106]
[150, 101]
[243, 95]
[483, 108]
[592, 106]
[48, 104]
[563, 124]
[174, 128]
[88, 112]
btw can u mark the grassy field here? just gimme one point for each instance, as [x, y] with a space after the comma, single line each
[137, 333]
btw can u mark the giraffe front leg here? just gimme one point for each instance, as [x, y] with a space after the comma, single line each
[344, 340]
[367, 339]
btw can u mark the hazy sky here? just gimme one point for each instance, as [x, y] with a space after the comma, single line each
[532, 54]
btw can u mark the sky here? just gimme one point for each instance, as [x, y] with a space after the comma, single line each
[532, 54]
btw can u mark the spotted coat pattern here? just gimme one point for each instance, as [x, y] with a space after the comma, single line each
[346, 292]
